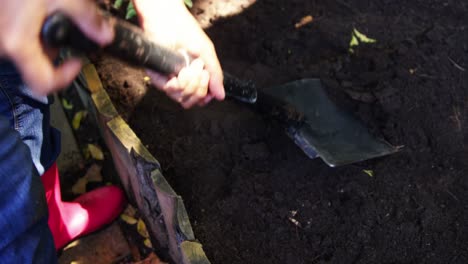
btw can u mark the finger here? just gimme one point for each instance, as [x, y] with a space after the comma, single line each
[175, 96]
[164, 83]
[200, 94]
[158, 79]
[206, 100]
[89, 19]
[41, 75]
[189, 76]
[213, 66]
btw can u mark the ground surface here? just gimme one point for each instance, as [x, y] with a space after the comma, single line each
[243, 180]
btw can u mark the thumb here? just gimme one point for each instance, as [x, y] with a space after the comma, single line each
[86, 15]
[40, 74]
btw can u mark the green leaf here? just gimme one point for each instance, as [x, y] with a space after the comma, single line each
[130, 11]
[188, 3]
[369, 172]
[118, 4]
[357, 38]
[363, 38]
[67, 105]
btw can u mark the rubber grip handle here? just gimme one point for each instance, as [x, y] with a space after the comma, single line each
[130, 44]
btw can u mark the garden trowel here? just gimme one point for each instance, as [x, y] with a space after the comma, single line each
[311, 119]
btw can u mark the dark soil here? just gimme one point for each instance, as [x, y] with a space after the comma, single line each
[254, 197]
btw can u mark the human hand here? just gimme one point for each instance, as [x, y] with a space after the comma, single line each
[20, 42]
[169, 23]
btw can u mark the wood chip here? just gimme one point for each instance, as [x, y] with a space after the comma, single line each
[304, 21]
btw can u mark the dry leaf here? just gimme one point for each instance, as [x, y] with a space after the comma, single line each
[80, 186]
[147, 243]
[94, 173]
[141, 228]
[95, 152]
[304, 21]
[128, 219]
[130, 210]
[76, 122]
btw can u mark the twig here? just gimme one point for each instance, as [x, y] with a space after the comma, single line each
[456, 65]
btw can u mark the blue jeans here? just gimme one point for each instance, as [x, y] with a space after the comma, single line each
[28, 146]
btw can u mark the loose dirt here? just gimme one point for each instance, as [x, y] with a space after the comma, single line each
[254, 197]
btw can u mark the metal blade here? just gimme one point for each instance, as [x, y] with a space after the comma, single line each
[317, 125]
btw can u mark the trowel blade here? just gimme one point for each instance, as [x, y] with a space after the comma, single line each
[321, 128]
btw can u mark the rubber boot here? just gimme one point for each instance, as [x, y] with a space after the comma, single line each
[86, 214]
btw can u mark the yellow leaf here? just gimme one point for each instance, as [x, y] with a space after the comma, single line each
[141, 228]
[76, 122]
[67, 105]
[147, 243]
[369, 172]
[80, 186]
[95, 152]
[128, 219]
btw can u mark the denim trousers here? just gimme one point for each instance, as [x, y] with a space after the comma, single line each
[28, 147]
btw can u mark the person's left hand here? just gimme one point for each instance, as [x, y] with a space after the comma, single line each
[170, 23]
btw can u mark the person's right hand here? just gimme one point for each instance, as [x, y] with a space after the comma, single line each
[20, 42]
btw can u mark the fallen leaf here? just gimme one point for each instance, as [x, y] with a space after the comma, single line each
[67, 105]
[141, 228]
[95, 152]
[363, 38]
[80, 186]
[353, 43]
[128, 219]
[357, 38]
[130, 210]
[369, 172]
[147, 243]
[94, 173]
[76, 122]
[304, 21]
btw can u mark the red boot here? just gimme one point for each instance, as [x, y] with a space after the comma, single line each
[86, 214]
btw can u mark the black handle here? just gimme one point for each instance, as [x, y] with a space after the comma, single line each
[132, 46]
